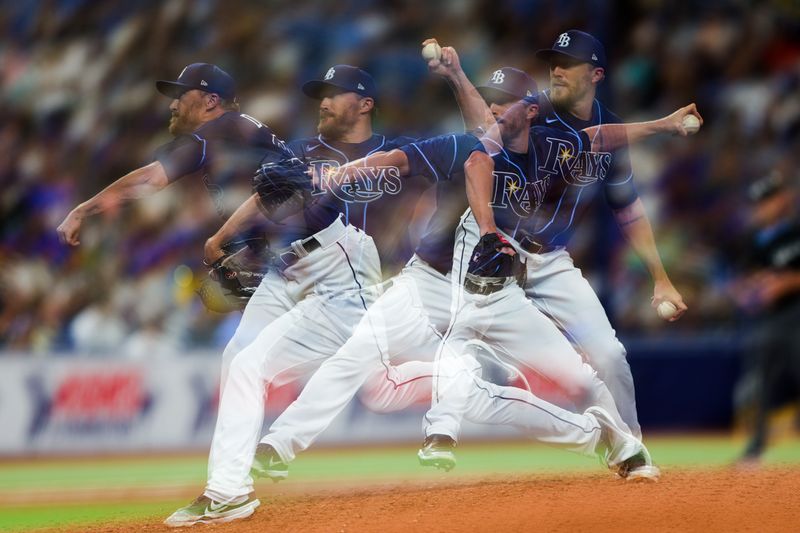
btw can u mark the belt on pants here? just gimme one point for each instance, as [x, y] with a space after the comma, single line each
[483, 285]
[291, 256]
[533, 247]
[321, 239]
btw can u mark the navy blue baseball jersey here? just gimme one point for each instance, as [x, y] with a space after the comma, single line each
[529, 191]
[379, 202]
[541, 194]
[585, 176]
[225, 151]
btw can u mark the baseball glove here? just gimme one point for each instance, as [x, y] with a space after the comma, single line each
[488, 261]
[233, 279]
[220, 300]
[281, 187]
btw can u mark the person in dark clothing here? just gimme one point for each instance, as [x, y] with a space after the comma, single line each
[771, 289]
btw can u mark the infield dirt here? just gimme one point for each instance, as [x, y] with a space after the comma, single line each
[726, 500]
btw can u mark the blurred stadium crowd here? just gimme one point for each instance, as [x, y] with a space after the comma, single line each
[80, 110]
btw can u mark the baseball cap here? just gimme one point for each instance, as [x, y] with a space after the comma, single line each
[577, 45]
[509, 82]
[345, 77]
[766, 187]
[203, 76]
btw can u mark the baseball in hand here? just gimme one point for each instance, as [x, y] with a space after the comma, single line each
[691, 124]
[431, 51]
[666, 310]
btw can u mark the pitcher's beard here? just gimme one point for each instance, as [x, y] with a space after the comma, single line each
[331, 129]
[178, 126]
[562, 99]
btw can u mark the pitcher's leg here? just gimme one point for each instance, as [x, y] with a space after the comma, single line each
[540, 420]
[451, 387]
[389, 325]
[561, 293]
[241, 413]
[267, 304]
[515, 328]
[427, 313]
[398, 387]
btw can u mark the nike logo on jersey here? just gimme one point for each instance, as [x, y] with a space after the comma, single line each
[359, 185]
[550, 120]
[312, 147]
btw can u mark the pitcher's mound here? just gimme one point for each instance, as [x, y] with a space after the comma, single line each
[686, 500]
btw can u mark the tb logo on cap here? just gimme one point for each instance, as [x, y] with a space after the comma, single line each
[498, 77]
[330, 73]
[563, 40]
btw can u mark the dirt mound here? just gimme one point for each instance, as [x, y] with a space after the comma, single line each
[687, 500]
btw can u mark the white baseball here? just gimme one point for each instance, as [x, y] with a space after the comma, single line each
[666, 310]
[431, 51]
[691, 124]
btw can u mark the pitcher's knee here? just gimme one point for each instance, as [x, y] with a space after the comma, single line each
[580, 388]
[377, 391]
[247, 363]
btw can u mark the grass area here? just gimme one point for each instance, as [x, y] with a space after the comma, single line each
[107, 472]
[352, 466]
[26, 518]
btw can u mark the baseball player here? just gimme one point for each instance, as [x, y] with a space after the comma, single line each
[213, 143]
[534, 192]
[331, 273]
[218, 145]
[347, 96]
[556, 287]
[418, 303]
[553, 284]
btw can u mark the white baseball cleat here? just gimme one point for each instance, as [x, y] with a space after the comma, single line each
[625, 454]
[437, 450]
[267, 463]
[204, 510]
[637, 469]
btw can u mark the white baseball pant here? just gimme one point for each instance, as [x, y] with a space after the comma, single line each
[558, 289]
[396, 325]
[332, 286]
[508, 322]
[404, 320]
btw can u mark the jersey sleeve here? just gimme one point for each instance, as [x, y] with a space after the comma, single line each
[620, 189]
[437, 158]
[182, 156]
[618, 186]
